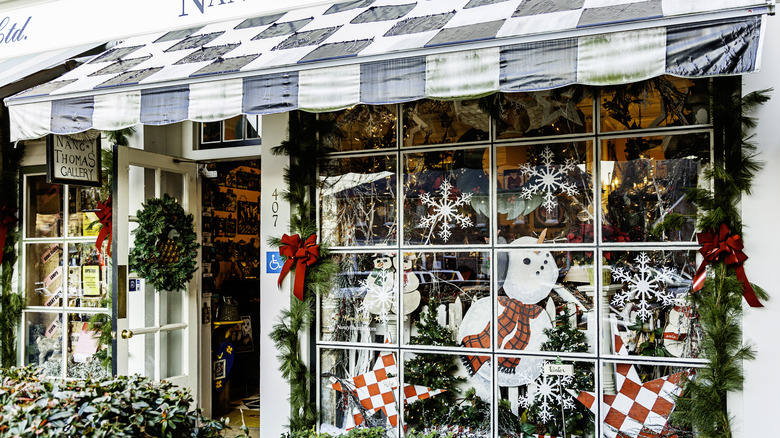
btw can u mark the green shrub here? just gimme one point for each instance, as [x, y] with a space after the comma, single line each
[123, 406]
[362, 432]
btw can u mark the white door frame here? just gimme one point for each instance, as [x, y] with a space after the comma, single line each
[190, 326]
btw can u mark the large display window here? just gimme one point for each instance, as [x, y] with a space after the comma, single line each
[65, 279]
[502, 271]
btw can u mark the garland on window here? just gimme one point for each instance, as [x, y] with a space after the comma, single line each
[305, 151]
[703, 404]
[166, 246]
[11, 302]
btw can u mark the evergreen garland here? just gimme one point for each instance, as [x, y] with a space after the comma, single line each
[703, 405]
[305, 150]
[11, 302]
[164, 260]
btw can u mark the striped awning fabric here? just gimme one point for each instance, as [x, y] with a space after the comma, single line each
[329, 57]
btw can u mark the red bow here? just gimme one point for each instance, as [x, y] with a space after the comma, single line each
[305, 255]
[729, 246]
[7, 220]
[104, 216]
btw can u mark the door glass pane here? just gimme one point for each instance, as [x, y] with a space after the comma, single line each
[171, 307]
[142, 182]
[83, 360]
[82, 204]
[44, 342]
[171, 353]
[141, 355]
[44, 274]
[44, 208]
[172, 184]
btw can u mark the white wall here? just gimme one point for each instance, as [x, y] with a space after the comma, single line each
[761, 215]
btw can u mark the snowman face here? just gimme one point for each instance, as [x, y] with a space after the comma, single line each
[530, 275]
[383, 262]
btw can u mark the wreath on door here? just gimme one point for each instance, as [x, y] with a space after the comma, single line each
[166, 245]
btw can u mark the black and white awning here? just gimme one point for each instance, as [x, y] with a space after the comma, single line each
[324, 58]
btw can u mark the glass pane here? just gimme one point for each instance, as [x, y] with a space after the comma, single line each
[211, 132]
[544, 113]
[362, 306]
[547, 406]
[233, 128]
[540, 295]
[661, 101]
[546, 188]
[82, 204]
[447, 197]
[362, 127]
[143, 182]
[44, 274]
[344, 392]
[253, 126]
[440, 122]
[171, 307]
[44, 341]
[358, 201]
[172, 353]
[439, 288]
[83, 360]
[87, 279]
[644, 182]
[141, 356]
[649, 313]
[141, 313]
[639, 400]
[44, 208]
[172, 184]
[438, 394]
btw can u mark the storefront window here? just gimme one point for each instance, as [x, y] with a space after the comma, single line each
[66, 280]
[542, 252]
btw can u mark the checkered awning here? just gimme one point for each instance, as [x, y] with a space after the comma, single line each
[323, 58]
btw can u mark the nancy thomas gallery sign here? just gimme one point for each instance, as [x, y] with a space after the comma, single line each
[73, 159]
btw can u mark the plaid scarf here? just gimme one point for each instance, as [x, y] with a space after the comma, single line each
[515, 315]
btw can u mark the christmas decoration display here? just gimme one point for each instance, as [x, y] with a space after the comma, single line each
[647, 284]
[411, 285]
[530, 277]
[166, 246]
[445, 211]
[301, 255]
[548, 179]
[637, 408]
[376, 390]
[11, 302]
[104, 217]
[380, 295]
[723, 244]
[7, 220]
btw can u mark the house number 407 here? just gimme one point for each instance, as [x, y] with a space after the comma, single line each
[275, 206]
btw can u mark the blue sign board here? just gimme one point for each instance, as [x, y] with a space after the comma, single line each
[273, 262]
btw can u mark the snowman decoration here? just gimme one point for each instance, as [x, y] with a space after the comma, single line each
[380, 297]
[531, 275]
[411, 284]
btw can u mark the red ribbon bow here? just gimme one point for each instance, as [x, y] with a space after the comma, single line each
[729, 246]
[104, 216]
[305, 255]
[7, 220]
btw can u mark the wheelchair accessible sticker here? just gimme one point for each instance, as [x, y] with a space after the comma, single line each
[273, 263]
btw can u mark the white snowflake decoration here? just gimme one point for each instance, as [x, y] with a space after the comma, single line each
[445, 210]
[548, 179]
[547, 392]
[379, 297]
[646, 284]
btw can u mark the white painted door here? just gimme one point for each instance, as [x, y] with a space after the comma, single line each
[158, 338]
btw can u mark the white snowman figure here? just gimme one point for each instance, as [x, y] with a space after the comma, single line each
[531, 275]
[411, 284]
[380, 297]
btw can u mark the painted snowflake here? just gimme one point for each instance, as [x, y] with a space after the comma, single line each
[445, 211]
[379, 296]
[546, 393]
[645, 284]
[548, 179]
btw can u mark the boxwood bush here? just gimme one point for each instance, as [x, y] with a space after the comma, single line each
[123, 406]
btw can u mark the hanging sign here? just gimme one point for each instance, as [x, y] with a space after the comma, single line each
[73, 160]
[554, 369]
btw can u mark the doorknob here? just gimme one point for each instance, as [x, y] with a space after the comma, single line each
[127, 334]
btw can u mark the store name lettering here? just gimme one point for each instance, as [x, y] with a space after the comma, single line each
[201, 5]
[12, 32]
[75, 159]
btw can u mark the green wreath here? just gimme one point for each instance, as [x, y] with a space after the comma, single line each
[165, 249]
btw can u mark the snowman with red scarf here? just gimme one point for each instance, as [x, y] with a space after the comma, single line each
[531, 275]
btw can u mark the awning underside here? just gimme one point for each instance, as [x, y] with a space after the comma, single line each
[385, 51]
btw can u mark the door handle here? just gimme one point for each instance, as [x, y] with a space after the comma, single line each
[129, 333]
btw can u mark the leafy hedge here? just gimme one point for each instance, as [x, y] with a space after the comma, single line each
[123, 406]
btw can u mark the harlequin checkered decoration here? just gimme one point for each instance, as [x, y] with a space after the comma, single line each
[618, 343]
[328, 57]
[376, 390]
[638, 409]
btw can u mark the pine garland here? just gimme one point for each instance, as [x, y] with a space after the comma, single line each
[305, 151]
[703, 405]
[11, 302]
